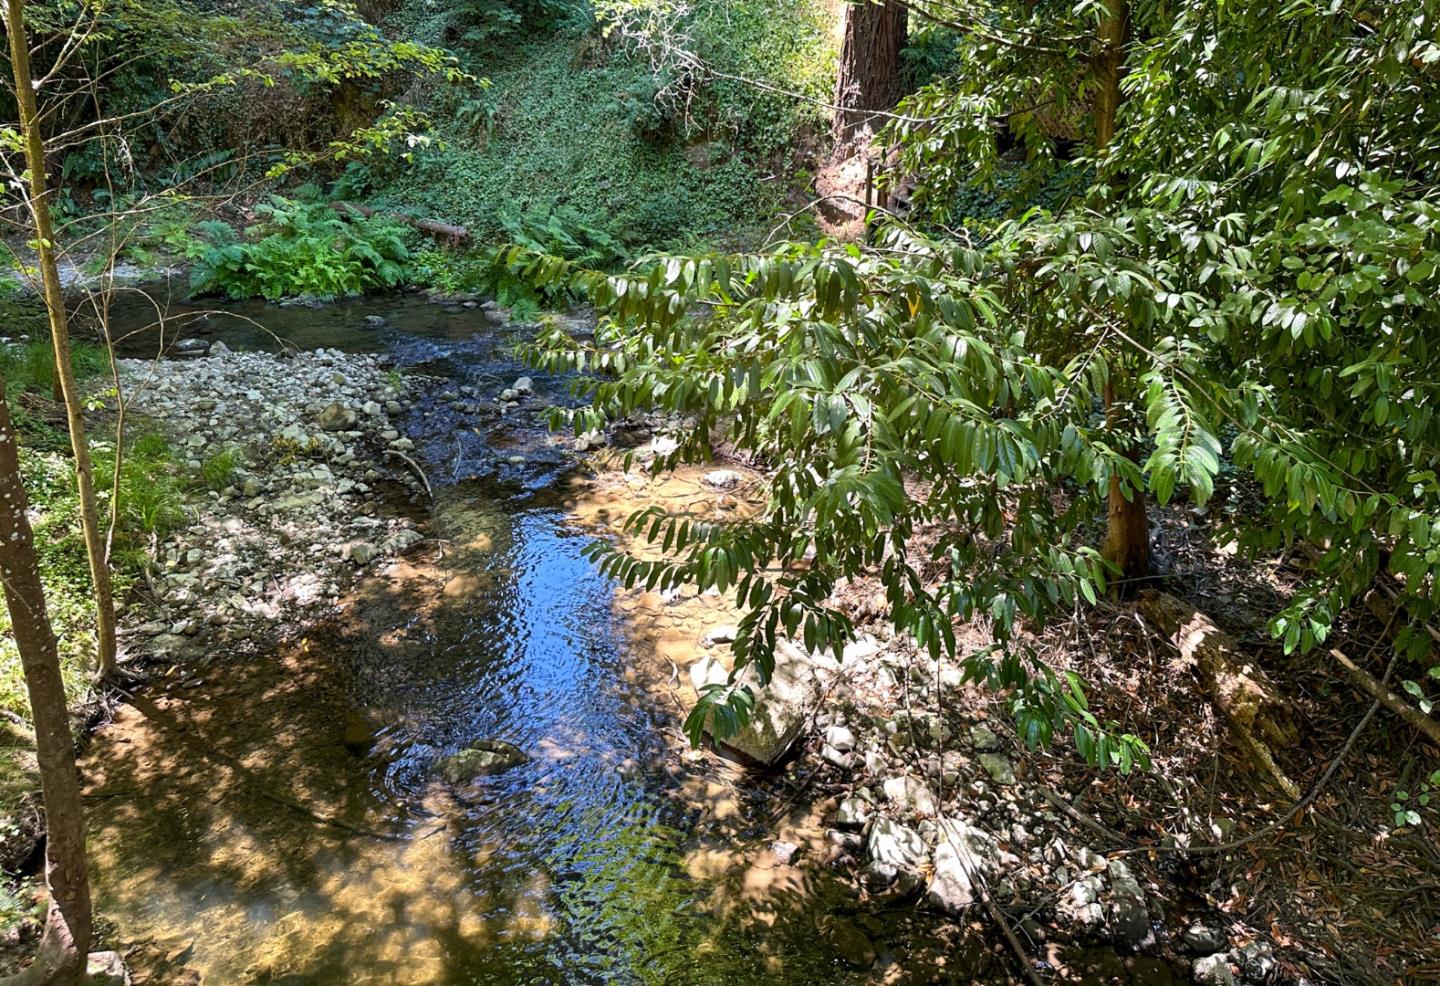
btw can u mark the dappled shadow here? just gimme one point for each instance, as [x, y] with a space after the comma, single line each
[279, 821]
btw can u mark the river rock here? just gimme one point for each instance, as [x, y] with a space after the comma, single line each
[852, 813]
[910, 794]
[189, 347]
[106, 969]
[851, 944]
[482, 758]
[722, 479]
[965, 859]
[1203, 939]
[1001, 770]
[523, 385]
[337, 417]
[1214, 970]
[782, 707]
[723, 634]
[840, 738]
[895, 844]
[983, 739]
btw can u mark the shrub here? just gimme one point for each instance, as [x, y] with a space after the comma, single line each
[302, 248]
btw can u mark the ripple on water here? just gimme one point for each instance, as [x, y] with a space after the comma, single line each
[246, 821]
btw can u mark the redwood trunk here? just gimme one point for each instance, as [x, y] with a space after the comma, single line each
[869, 76]
[60, 959]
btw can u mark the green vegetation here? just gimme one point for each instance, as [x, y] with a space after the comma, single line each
[217, 471]
[30, 366]
[152, 488]
[1267, 260]
[301, 248]
[576, 136]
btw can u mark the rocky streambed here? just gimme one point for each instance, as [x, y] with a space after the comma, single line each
[414, 736]
[310, 460]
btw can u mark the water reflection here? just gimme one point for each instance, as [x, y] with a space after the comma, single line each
[283, 822]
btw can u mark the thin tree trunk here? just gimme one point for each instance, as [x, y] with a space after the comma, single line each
[60, 336]
[60, 959]
[1127, 535]
[869, 74]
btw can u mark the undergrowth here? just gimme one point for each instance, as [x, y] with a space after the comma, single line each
[300, 248]
[573, 125]
[152, 488]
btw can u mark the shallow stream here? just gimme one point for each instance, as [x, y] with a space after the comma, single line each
[278, 820]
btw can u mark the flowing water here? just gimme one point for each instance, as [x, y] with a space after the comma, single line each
[278, 820]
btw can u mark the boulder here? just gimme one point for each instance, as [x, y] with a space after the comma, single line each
[482, 758]
[524, 385]
[782, 707]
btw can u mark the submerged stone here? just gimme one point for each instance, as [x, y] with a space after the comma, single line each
[483, 758]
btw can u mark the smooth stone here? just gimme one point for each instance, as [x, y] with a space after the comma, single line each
[482, 758]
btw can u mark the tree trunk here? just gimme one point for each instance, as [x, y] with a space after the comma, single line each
[869, 75]
[39, 203]
[60, 959]
[1127, 535]
[1127, 528]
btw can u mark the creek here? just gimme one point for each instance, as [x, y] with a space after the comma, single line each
[278, 819]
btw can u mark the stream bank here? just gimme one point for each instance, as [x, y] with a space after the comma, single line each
[271, 807]
[393, 574]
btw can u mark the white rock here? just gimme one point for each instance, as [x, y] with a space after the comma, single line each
[840, 737]
[910, 794]
[894, 844]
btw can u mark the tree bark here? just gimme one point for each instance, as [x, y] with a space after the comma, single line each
[39, 203]
[1127, 535]
[869, 74]
[1127, 528]
[60, 959]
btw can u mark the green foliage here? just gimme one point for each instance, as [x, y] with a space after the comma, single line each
[560, 232]
[217, 470]
[1256, 278]
[1407, 810]
[575, 122]
[302, 248]
[30, 366]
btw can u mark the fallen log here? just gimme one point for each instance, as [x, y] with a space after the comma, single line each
[452, 234]
[1244, 694]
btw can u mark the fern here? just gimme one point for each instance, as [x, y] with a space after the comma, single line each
[303, 248]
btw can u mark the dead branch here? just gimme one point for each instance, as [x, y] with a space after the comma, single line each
[1390, 699]
[449, 232]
